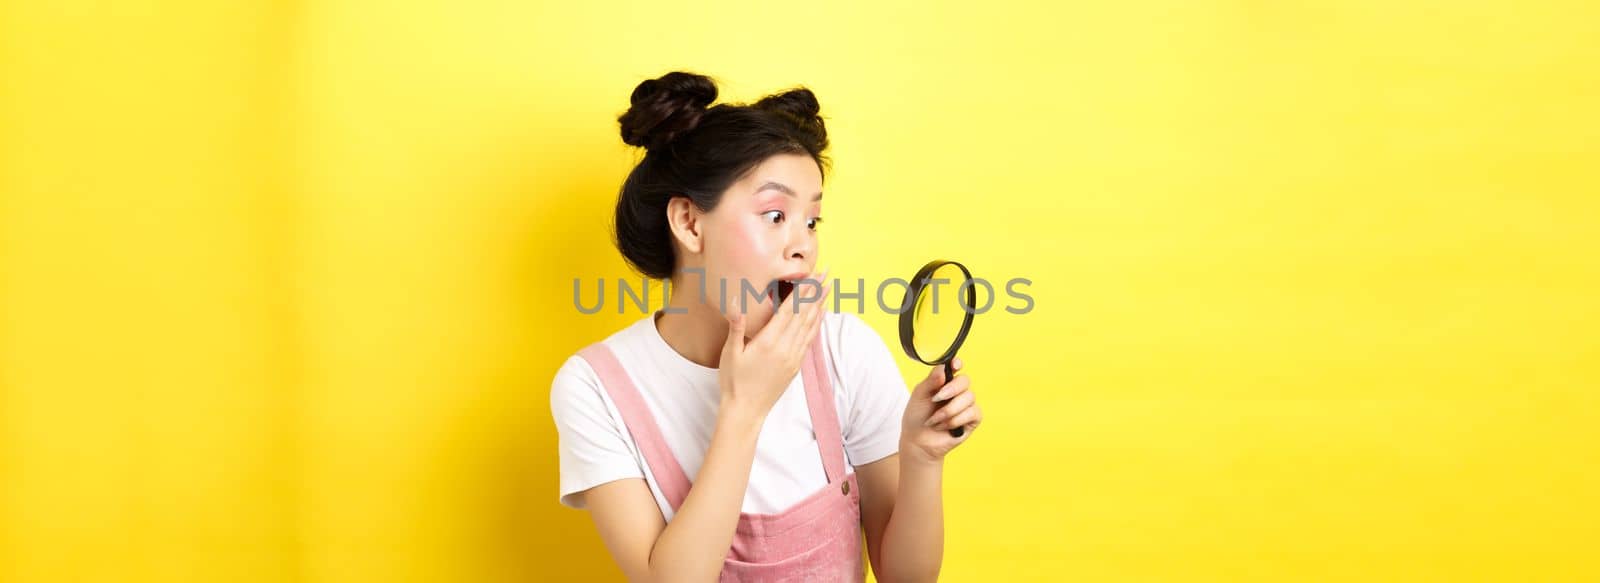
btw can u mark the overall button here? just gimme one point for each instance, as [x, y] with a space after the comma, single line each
[845, 487]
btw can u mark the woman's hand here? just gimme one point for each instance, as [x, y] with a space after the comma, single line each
[935, 408]
[752, 375]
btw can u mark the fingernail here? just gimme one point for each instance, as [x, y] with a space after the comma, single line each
[957, 363]
[931, 421]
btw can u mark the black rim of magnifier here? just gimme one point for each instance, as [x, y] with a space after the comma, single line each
[908, 309]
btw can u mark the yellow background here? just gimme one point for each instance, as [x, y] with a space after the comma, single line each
[283, 284]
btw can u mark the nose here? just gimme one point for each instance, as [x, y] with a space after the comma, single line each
[802, 244]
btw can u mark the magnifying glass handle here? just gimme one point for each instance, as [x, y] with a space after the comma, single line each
[950, 374]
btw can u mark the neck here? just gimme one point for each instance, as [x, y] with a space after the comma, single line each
[692, 328]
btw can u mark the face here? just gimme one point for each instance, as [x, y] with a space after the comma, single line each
[763, 230]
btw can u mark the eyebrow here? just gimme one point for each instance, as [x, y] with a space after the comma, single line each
[770, 185]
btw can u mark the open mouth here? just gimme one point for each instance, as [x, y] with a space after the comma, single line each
[781, 291]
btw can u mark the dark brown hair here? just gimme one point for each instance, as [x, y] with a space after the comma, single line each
[696, 150]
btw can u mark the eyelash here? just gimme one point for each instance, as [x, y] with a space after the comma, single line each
[814, 220]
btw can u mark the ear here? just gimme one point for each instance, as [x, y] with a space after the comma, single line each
[684, 220]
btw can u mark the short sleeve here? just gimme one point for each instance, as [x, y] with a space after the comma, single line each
[593, 448]
[877, 394]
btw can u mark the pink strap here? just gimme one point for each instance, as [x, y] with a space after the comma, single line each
[824, 417]
[670, 477]
[641, 425]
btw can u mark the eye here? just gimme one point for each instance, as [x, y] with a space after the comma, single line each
[814, 222]
[773, 217]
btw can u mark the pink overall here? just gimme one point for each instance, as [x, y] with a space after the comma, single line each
[817, 539]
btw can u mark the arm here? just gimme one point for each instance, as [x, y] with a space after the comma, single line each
[693, 545]
[903, 545]
[902, 501]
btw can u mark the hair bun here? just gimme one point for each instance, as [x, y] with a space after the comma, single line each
[801, 105]
[665, 108]
[799, 102]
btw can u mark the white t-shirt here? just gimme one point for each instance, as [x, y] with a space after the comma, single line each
[596, 447]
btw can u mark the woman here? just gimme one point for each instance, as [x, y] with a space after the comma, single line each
[791, 419]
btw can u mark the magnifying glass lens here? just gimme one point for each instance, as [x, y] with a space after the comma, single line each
[939, 313]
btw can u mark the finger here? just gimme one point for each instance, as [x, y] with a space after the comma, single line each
[936, 378]
[953, 388]
[781, 315]
[814, 312]
[950, 410]
[823, 288]
[938, 370]
[937, 383]
[807, 303]
[929, 385]
[804, 326]
[735, 342]
[967, 417]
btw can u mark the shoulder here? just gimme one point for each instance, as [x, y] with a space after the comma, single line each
[856, 349]
[850, 337]
[577, 381]
[578, 372]
[579, 403]
[575, 384]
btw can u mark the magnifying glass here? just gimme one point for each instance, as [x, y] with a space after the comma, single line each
[935, 316]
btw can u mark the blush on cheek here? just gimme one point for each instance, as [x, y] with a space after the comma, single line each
[751, 244]
[751, 256]
[744, 257]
